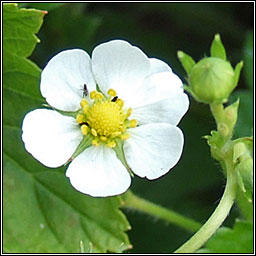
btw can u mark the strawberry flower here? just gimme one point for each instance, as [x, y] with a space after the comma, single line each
[113, 115]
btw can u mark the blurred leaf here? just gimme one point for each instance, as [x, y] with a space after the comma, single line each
[244, 123]
[236, 240]
[217, 48]
[42, 212]
[71, 27]
[248, 60]
[41, 6]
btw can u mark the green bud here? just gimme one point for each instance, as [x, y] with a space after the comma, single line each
[212, 80]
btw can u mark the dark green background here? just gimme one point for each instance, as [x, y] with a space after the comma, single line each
[195, 185]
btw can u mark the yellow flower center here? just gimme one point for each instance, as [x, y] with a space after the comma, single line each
[104, 119]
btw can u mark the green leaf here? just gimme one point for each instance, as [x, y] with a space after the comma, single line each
[20, 75]
[187, 62]
[217, 48]
[19, 26]
[248, 59]
[42, 212]
[227, 240]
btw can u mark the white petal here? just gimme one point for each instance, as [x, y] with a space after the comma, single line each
[153, 149]
[158, 66]
[121, 66]
[63, 79]
[50, 137]
[157, 87]
[168, 110]
[98, 172]
[162, 100]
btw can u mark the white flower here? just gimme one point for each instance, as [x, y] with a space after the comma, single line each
[117, 97]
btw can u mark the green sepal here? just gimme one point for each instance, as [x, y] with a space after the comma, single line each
[187, 62]
[230, 117]
[64, 113]
[243, 148]
[237, 72]
[84, 144]
[120, 155]
[215, 141]
[217, 48]
[245, 178]
[190, 91]
[243, 160]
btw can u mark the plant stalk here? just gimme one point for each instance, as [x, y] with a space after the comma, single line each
[132, 201]
[217, 218]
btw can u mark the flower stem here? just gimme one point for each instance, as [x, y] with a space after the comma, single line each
[217, 218]
[132, 201]
[217, 111]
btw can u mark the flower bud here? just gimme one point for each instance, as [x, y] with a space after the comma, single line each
[211, 80]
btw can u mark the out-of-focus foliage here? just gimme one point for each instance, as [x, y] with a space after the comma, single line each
[248, 59]
[195, 185]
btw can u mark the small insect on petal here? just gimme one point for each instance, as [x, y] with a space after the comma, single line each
[85, 91]
[114, 99]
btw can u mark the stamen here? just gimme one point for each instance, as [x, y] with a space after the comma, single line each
[84, 129]
[94, 133]
[80, 118]
[125, 136]
[83, 103]
[129, 111]
[85, 109]
[115, 134]
[103, 138]
[122, 128]
[111, 144]
[112, 92]
[120, 102]
[93, 94]
[133, 123]
[95, 143]
[99, 96]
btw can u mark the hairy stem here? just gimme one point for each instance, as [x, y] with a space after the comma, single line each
[217, 111]
[216, 219]
[132, 201]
